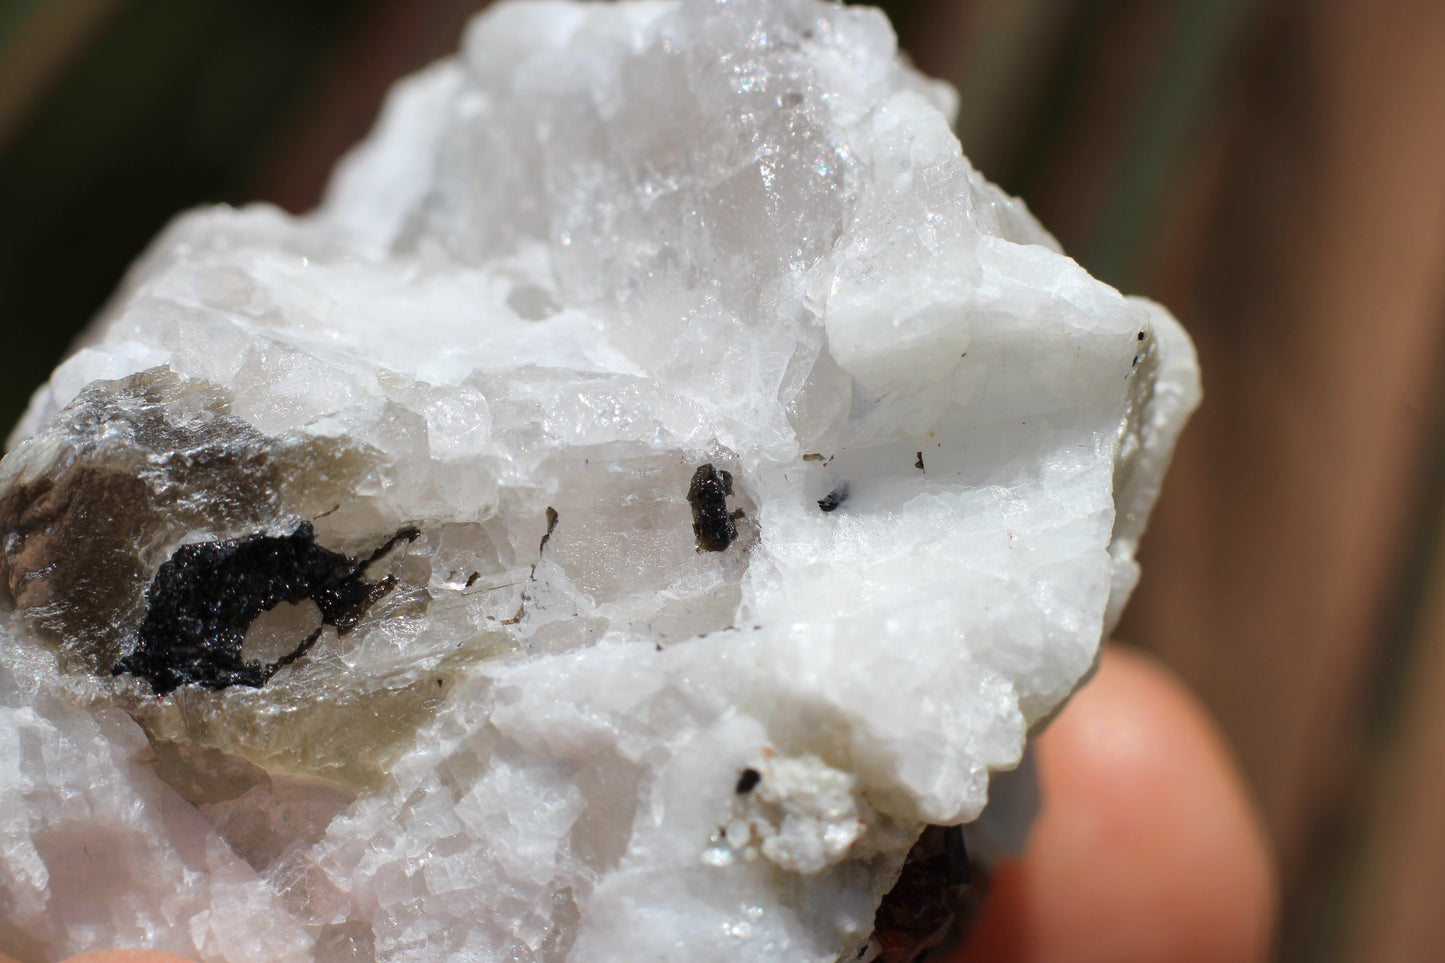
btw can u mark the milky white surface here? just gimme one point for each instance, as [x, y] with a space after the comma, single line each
[601, 246]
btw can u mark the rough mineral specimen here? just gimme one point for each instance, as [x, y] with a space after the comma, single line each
[660, 481]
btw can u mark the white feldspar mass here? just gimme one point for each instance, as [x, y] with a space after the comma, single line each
[661, 479]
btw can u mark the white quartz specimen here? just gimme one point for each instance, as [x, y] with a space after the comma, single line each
[601, 248]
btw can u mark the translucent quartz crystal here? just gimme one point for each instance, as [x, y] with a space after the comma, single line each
[661, 479]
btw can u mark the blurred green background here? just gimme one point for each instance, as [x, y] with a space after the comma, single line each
[1273, 171]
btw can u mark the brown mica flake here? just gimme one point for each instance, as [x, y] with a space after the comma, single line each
[711, 521]
[937, 896]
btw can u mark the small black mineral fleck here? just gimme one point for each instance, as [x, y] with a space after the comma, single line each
[748, 780]
[918, 462]
[711, 521]
[205, 597]
[834, 498]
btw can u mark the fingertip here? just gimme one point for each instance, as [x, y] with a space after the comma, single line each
[1147, 847]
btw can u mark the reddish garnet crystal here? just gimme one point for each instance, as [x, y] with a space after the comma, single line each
[937, 895]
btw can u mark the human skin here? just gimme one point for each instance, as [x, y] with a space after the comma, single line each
[1147, 849]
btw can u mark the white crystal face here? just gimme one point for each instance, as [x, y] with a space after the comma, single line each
[661, 479]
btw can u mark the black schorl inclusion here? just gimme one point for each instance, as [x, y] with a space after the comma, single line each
[708, 496]
[204, 598]
[836, 497]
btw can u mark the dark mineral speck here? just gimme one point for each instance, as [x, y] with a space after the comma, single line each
[918, 462]
[834, 498]
[205, 597]
[711, 521]
[748, 780]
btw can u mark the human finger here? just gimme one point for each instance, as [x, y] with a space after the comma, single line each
[1147, 847]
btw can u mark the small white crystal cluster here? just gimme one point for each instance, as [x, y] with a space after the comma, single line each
[602, 248]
